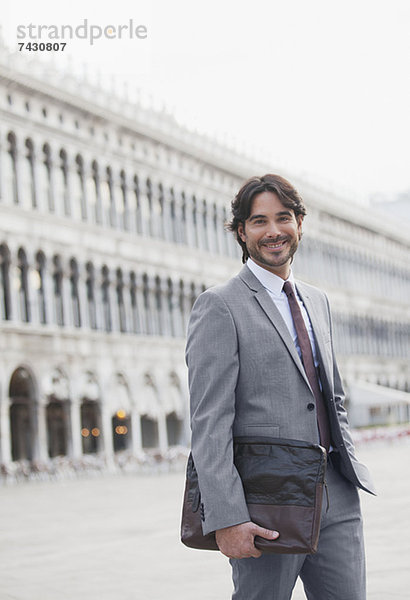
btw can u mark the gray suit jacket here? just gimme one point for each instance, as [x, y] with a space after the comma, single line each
[246, 378]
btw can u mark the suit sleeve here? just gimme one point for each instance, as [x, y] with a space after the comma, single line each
[339, 393]
[360, 471]
[213, 365]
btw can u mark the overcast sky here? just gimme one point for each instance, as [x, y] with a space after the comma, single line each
[323, 86]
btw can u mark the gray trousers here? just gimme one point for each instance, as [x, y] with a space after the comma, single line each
[335, 572]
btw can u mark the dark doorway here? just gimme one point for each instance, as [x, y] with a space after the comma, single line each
[58, 416]
[90, 426]
[174, 429]
[149, 432]
[121, 431]
[23, 413]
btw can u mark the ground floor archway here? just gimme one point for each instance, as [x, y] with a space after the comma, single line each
[121, 431]
[91, 426]
[58, 427]
[23, 414]
[149, 432]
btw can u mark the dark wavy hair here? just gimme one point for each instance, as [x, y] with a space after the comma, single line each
[242, 204]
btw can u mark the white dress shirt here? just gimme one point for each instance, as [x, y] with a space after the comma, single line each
[274, 286]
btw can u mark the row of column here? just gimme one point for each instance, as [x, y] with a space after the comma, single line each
[31, 427]
[39, 289]
[356, 334]
[335, 267]
[37, 179]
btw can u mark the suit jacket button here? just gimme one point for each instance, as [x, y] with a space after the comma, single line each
[311, 406]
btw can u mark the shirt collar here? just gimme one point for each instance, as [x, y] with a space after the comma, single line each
[273, 283]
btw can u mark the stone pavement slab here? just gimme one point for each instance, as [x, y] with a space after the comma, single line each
[116, 538]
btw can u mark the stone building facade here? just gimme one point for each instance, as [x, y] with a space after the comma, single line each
[111, 223]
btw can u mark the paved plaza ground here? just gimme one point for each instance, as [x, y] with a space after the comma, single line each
[116, 538]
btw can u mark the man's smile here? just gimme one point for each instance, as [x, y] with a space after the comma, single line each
[274, 245]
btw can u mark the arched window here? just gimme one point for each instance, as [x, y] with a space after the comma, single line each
[23, 286]
[194, 222]
[120, 301]
[41, 296]
[181, 306]
[170, 308]
[79, 209]
[93, 193]
[149, 212]
[105, 293]
[203, 227]
[29, 183]
[45, 179]
[90, 286]
[125, 224]
[158, 316]
[22, 415]
[62, 199]
[183, 218]
[111, 199]
[160, 212]
[75, 299]
[137, 204]
[172, 210]
[5, 297]
[58, 290]
[11, 170]
[136, 327]
[192, 296]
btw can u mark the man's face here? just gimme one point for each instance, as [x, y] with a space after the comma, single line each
[271, 233]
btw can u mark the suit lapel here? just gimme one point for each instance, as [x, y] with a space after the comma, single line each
[273, 314]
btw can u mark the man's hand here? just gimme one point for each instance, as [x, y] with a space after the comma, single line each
[238, 541]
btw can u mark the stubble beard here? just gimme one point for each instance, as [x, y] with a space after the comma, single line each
[272, 261]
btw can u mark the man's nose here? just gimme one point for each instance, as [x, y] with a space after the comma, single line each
[273, 229]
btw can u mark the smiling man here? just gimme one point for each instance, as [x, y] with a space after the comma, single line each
[261, 363]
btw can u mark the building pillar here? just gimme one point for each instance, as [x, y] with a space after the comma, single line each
[179, 221]
[14, 288]
[162, 432]
[107, 435]
[40, 450]
[136, 432]
[3, 158]
[167, 216]
[76, 450]
[5, 433]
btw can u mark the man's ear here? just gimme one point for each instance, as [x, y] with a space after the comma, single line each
[299, 220]
[241, 232]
